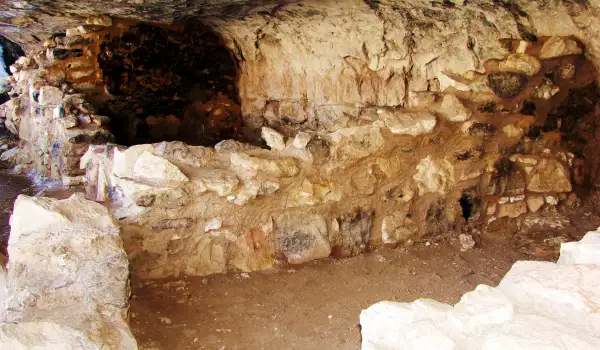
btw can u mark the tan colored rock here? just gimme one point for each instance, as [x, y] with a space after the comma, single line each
[301, 140]
[408, 123]
[549, 175]
[273, 139]
[512, 210]
[512, 131]
[301, 238]
[222, 182]
[557, 46]
[253, 250]
[520, 63]
[355, 143]
[434, 176]
[398, 228]
[157, 171]
[103, 20]
[453, 110]
[248, 166]
[546, 90]
[534, 203]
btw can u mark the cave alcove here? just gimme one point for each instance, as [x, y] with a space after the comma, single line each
[169, 84]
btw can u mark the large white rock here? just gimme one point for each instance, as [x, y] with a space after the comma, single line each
[538, 305]
[569, 294]
[157, 171]
[391, 325]
[479, 309]
[586, 251]
[67, 284]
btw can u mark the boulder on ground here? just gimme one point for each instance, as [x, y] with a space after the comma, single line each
[68, 278]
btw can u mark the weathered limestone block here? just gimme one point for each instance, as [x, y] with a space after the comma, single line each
[157, 171]
[549, 175]
[584, 252]
[512, 210]
[557, 46]
[453, 110]
[248, 166]
[301, 238]
[434, 176]
[222, 182]
[538, 305]
[273, 139]
[254, 250]
[507, 84]
[392, 325]
[568, 294]
[67, 284]
[520, 63]
[355, 143]
[398, 228]
[479, 309]
[534, 203]
[352, 232]
[408, 123]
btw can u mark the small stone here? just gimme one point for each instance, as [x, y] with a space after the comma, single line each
[245, 275]
[205, 281]
[522, 47]
[534, 203]
[213, 224]
[165, 320]
[103, 20]
[512, 131]
[520, 63]
[434, 176]
[273, 138]
[551, 200]
[453, 110]
[301, 140]
[330, 317]
[546, 90]
[466, 242]
[507, 84]
[557, 46]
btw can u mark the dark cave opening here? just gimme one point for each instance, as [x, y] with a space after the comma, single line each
[169, 85]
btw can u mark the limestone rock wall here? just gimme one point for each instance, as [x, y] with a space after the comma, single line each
[49, 108]
[537, 305]
[67, 285]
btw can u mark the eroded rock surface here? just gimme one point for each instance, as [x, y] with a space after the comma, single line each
[68, 279]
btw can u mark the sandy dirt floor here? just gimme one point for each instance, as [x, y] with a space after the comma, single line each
[315, 306]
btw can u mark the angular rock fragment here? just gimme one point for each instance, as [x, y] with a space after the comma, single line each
[408, 123]
[301, 238]
[557, 46]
